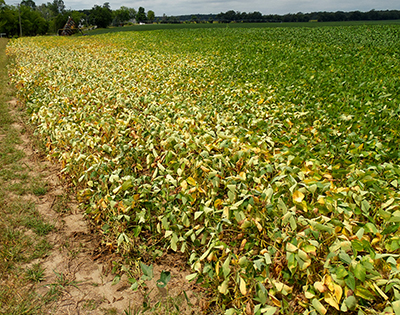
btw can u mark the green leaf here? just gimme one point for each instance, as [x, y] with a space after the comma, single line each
[231, 196]
[341, 272]
[269, 310]
[223, 288]
[351, 302]
[365, 206]
[370, 228]
[364, 293]
[360, 272]
[126, 185]
[116, 280]
[165, 277]
[230, 311]
[225, 266]
[318, 306]
[191, 276]
[147, 271]
[174, 241]
[360, 233]
[343, 256]
[391, 228]
[396, 307]
[350, 281]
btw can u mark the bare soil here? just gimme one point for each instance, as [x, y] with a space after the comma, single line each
[79, 266]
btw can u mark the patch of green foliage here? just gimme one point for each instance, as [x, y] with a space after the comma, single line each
[154, 27]
[269, 157]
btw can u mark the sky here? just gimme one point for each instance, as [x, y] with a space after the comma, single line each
[185, 7]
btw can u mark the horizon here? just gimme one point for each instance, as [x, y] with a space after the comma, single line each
[187, 7]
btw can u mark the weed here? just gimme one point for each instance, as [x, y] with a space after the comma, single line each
[40, 227]
[63, 281]
[90, 305]
[39, 190]
[41, 249]
[110, 311]
[36, 273]
[61, 203]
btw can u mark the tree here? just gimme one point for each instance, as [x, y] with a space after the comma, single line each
[132, 13]
[31, 21]
[9, 20]
[45, 11]
[141, 15]
[123, 14]
[29, 3]
[150, 15]
[101, 16]
[57, 7]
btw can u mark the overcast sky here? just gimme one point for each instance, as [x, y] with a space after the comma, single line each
[181, 7]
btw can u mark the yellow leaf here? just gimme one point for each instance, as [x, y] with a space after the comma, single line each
[298, 196]
[204, 169]
[226, 212]
[274, 300]
[184, 185]
[331, 300]
[217, 203]
[328, 282]
[260, 101]
[258, 225]
[242, 286]
[223, 288]
[338, 291]
[191, 181]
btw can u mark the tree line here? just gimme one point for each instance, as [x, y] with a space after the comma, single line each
[28, 19]
[252, 17]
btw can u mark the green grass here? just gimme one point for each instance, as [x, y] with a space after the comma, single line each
[22, 228]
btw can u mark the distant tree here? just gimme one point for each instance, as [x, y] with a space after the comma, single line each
[57, 7]
[132, 13]
[101, 16]
[29, 3]
[9, 20]
[254, 17]
[45, 11]
[194, 19]
[355, 16]
[172, 19]
[121, 15]
[107, 5]
[31, 21]
[141, 15]
[150, 15]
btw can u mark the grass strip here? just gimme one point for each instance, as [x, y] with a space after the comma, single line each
[22, 229]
